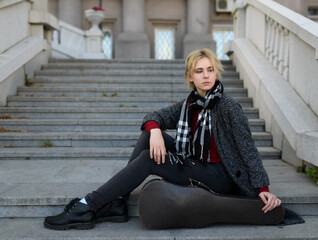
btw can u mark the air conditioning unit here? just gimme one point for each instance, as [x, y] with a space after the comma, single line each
[224, 5]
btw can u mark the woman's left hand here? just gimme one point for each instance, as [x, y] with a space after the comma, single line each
[270, 201]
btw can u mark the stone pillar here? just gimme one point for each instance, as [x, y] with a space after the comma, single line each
[239, 19]
[133, 42]
[198, 31]
[70, 11]
[94, 36]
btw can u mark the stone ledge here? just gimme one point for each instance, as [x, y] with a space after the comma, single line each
[45, 18]
[296, 120]
[18, 55]
[8, 3]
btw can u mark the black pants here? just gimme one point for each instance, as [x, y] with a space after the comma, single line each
[140, 166]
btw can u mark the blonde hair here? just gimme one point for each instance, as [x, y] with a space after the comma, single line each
[192, 59]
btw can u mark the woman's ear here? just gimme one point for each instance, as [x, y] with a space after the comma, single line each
[189, 77]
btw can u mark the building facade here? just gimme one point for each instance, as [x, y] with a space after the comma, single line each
[162, 29]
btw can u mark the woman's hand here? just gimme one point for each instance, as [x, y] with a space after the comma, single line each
[270, 201]
[157, 146]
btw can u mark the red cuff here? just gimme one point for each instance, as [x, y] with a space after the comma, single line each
[263, 189]
[150, 125]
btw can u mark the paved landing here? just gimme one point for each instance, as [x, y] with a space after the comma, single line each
[32, 229]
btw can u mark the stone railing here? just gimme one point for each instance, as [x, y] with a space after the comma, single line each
[276, 51]
[25, 33]
[63, 42]
[88, 44]
[277, 46]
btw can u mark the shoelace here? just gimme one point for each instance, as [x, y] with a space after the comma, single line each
[70, 205]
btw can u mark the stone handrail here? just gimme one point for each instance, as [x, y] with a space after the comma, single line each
[73, 42]
[276, 52]
[63, 42]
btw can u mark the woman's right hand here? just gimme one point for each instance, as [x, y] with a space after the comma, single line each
[157, 146]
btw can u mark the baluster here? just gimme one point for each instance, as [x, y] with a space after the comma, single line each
[272, 46]
[281, 51]
[286, 55]
[268, 35]
[271, 29]
[277, 45]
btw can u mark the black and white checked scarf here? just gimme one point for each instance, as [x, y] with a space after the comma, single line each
[200, 145]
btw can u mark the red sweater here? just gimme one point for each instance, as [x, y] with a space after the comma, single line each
[214, 155]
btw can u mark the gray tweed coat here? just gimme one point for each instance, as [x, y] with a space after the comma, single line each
[233, 139]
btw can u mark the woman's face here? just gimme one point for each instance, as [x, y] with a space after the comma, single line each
[203, 76]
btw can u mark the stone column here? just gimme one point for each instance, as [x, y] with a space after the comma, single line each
[133, 42]
[198, 30]
[70, 11]
[239, 19]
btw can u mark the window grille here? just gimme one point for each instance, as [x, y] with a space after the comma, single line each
[164, 43]
[107, 44]
[221, 36]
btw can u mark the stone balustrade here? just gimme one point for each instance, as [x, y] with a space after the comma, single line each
[276, 53]
[277, 46]
[63, 42]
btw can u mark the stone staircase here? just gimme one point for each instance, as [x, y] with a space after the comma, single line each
[75, 126]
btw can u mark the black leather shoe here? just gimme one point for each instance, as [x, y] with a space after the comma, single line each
[114, 211]
[75, 215]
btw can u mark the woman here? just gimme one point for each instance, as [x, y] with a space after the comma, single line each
[213, 145]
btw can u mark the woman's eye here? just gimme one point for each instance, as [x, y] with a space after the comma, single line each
[210, 70]
[198, 71]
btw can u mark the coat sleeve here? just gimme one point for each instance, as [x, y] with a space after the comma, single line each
[167, 118]
[246, 146]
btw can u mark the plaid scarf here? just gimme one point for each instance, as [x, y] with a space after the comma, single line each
[200, 145]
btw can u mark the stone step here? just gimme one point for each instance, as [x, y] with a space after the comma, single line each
[127, 61]
[86, 102]
[40, 188]
[95, 153]
[89, 113]
[91, 139]
[122, 66]
[100, 72]
[114, 82]
[90, 125]
[134, 229]
[75, 91]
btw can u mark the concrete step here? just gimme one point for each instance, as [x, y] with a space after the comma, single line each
[32, 229]
[115, 81]
[94, 153]
[110, 102]
[75, 91]
[90, 125]
[89, 113]
[92, 139]
[40, 188]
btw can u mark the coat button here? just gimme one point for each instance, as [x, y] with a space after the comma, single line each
[238, 173]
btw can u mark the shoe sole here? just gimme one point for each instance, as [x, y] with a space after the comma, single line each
[114, 219]
[81, 226]
[166, 205]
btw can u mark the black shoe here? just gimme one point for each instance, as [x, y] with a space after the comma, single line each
[114, 211]
[75, 215]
